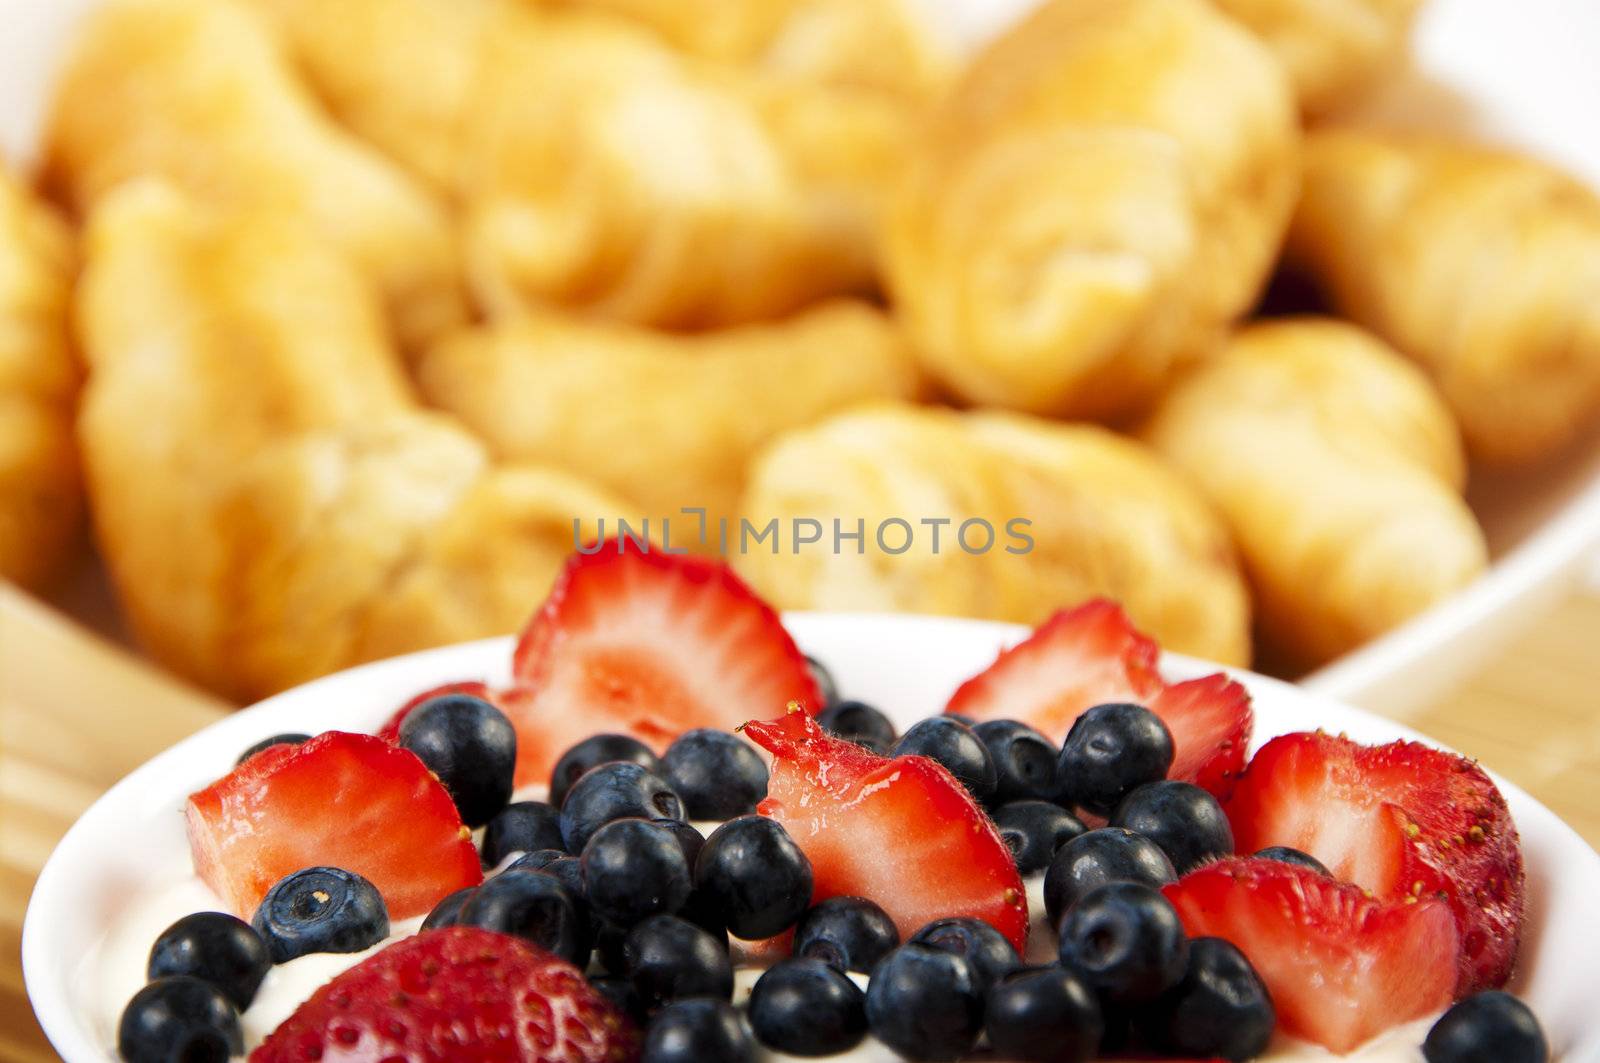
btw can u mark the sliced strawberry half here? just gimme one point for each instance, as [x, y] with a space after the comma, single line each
[1091, 655]
[647, 644]
[458, 993]
[351, 801]
[1399, 820]
[390, 731]
[1341, 966]
[901, 832]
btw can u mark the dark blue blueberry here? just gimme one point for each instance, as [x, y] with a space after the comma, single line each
[961, 717]
[471, 746]
[667, 959]
[858, 722]
[537, 860]
[320, 909]
[717, 774]
[1219, 1010]
[851, 933]
[1034, 830]
[955, 746]
[214, 947]
[633, 869]
[448, 911]
[1024, 761]
[1185, 821]
[924, 1003]
[826, 686]
[1285, 855]
[690, 840]
[521, 827]
[534, 906]
[179, 1019]
[807, 1008]
[991, 955]
[1126, 941]
[1110, 750]
[617, 790]
[755, 874]
[291, 738]
[697, 1031]
[1043, 1015]
[1489, 1027]
[593, 752]
[621, 993]
[1091, 860]
[569, 872]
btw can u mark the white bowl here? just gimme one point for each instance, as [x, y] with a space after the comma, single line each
[132, 839]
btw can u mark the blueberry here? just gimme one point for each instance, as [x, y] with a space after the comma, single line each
[717, 774]
[992, 957]
[470, 745]
[756, 875]
[1185, 821]
[214, 947]
[697, 1031]
[690, 840]
[621, 993]
[1024, 760]
[290, 738]
[320, 909]
[537, 860]
[851, 933]
[1126, 941]
[924, 1003]
[179, 1018]
[521, 827]
[633, 869]
[1489, 1027]
[1098, 857]
[569, 872]
[530, 905]
[593, 752]
[1285, 855]
[957, 748]
[1034, 830]
[1110, 750]
[1046, 1014]
[858, 722]
[807, 1008]
[826, 686]
[961, 717]
[667, 959]
[619, 790]
[448, 911]
[1220, 1009]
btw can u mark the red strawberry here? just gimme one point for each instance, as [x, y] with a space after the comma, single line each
[346, 800]
[1401, 820]
[390, 731]
[1090, 655]
[456, 994]
[647, 644]
[901, 832]
[1341, 966]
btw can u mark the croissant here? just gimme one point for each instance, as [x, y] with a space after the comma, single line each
[1036, 515]
[195, 91]
[41, 502]
[1101, 194]
[271, 501]
[1339, 470]
[665, 421]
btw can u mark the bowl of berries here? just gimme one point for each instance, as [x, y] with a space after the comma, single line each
[667, 824]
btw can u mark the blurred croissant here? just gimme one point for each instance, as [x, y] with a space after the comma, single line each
[1102, 194]
[1482, 266]
[1339, 470]
[195, 92]
[41, 502]
[270, 500]
[666, 421]
[1072, 512]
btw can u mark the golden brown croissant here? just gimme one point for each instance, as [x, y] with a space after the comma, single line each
[271, 501]
[1481, 265]
[1104, 191]
[666, 421]
[195, 92]
[1103, 516]
[41, 502]
[1339, 469]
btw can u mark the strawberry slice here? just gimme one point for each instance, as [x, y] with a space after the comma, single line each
[390, 731]
[458, 993]
[901, 832]
[1400, 820]
[1341, 966]
[648, 644]
[1091, 655]
[343, 800]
